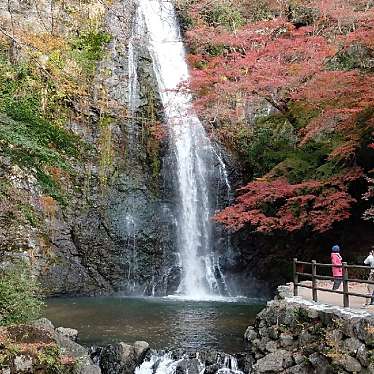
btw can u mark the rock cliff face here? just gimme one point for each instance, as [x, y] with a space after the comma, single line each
[295, 336]
[123, 239]
[114, 230]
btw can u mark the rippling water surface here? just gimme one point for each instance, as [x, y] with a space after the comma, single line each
[163, 322]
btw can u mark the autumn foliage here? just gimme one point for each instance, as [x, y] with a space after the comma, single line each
[308, 62]
[279, 205]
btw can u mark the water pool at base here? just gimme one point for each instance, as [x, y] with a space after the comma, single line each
[162, 322]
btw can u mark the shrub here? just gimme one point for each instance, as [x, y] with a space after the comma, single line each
[20, 299]
[88, 48]
[225, 14]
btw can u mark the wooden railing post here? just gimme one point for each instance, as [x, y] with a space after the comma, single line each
[295, 277]
[345, 286]
[314, 280]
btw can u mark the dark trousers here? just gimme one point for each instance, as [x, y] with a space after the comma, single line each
[337, 282]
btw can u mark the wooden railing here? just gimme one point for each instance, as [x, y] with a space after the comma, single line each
[315, 277]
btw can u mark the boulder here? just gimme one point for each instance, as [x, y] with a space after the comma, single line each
[273, 332]
[122, 358]
[250, 334]
[371, 368]
[350, 364]
[306, 338]
[211, 369]
[44, 324]
[334, 336]
[364, 330]
[284, 291]
[263, 331]
[271, 346]
[303, 368]
[286, 340]
[299, 358]
[274, 362]
[68, 333]
[188, 366]
[73, 349]
[140, 348]
[208, 357]
[363, 355]
[248, 363]
[352, 345]
[320, 363]
[260, 344]
[23, 364]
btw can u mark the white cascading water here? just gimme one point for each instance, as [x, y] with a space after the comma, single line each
[194, 154]
[165, 364]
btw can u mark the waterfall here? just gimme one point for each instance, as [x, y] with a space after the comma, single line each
[194, 154]
[164, 363]
[131, 243]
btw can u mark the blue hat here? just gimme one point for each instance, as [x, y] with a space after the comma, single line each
[336, 248]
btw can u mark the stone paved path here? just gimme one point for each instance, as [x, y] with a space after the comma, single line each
[336, 299]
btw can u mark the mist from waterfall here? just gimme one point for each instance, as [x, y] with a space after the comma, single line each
[193, 151]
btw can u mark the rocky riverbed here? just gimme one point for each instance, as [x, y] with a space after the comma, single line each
[291, 335]
[41, 348]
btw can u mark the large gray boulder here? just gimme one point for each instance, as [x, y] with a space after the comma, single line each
[68, 333]
[44, 324]
[140, 349]
[350, 364]
[274, 362]
[122, 358]
[320, 363]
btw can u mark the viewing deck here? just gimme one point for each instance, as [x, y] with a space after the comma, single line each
[326, 297]
[355, 290]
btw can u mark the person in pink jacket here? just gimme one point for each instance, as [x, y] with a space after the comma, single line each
[337, 270]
